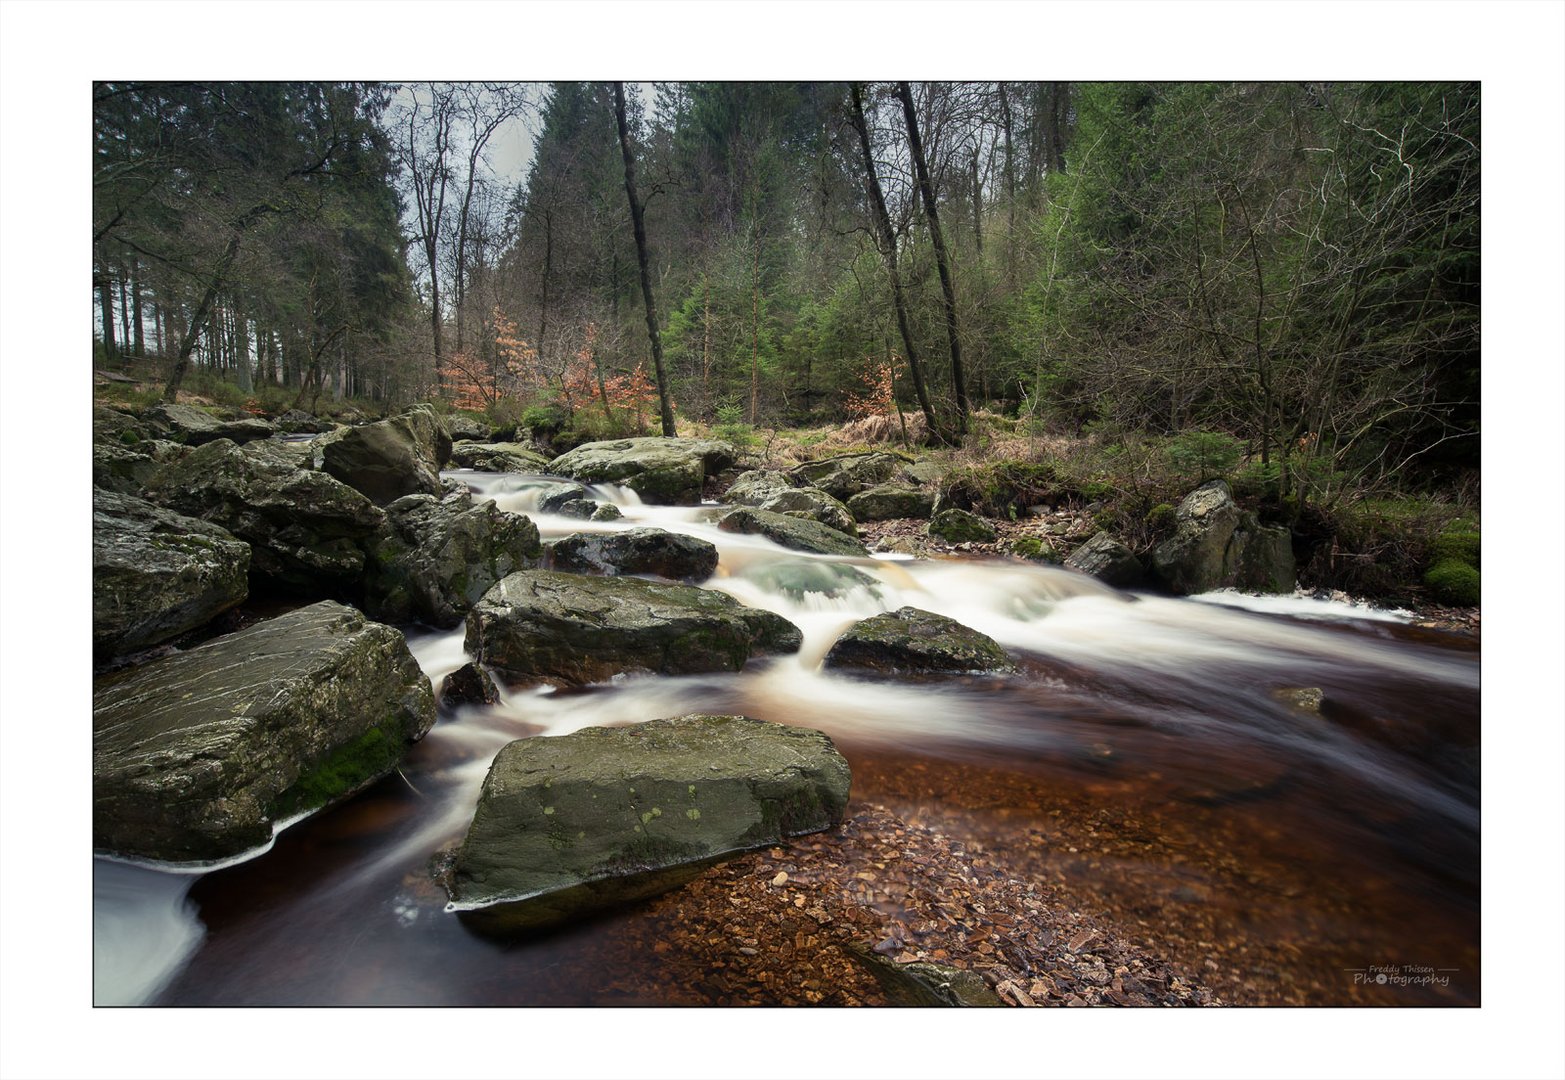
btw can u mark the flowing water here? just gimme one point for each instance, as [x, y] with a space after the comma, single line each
[1147, 763]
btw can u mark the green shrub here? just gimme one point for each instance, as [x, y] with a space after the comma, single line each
[1160, 517]
[1003, 488]
[1256, 480]
[1455, 546]
[1453, 582]
[742, 435]
[1204, 454]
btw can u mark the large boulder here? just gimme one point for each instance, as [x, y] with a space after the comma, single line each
[463, 426]
[1108, 560]
[768, 489]
[1216, 546]
[636, 551]
[845, 475]
[910, 641]
[127, 468]
[789, 531]
[299, 422]
[604, 816]
[389, 458]
[960, 527]
[885, 502]
[305, 529]
[197, 756]
[157, 574]
[665, 472]
[541, 626]
[437, 557]
[497, 457]
[192, 426]
[117, 427]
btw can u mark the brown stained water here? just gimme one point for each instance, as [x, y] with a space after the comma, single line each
[1142, 765]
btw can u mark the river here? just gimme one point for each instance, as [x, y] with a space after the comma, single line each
[1149, 763]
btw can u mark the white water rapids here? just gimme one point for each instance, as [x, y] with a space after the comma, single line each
[1203, 670]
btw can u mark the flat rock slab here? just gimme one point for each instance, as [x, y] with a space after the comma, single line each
[157, 574]
[497, 457]
[887, 502]
[190, 425]
[911, 641]
[542, 626]
[665, 472]
[566, 826]
[789, 531]
[196, 756]
[674, 556]
[390, 458]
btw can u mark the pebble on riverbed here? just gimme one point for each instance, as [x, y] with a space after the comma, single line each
[783, 927]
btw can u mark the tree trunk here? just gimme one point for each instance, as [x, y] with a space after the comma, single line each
[978, 210]
[1010, 190]
[888, 249]
[106, 311]
[138, 332]
[157, 327]
[755, 336]
[639, 227]
[242, 350]
[942, 258]
[543, 297]
[706, 346]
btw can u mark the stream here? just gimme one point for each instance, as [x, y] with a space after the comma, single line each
[1147, 763]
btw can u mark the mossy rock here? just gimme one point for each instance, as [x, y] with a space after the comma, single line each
[604, 816]
[960, 527]
[1455, 583]
[911, 641]
[198, 755]
[665, 472]
[797, 533]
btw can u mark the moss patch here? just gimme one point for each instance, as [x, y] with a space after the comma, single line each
[367, 757]
[1454, 582]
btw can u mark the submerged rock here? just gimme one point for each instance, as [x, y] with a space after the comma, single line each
[1216, 546]
[197, 756]
[636, 551]
[570, 825]
[305, 529]
[800, 534]
[437, 557]
[542, 626]
[157, 574]
[388, 459]
[1106, 559]
[911, 641]
[922, 984]
[961, 527]
[665, 472]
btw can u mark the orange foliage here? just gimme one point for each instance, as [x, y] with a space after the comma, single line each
[474, 385]
[879, 395]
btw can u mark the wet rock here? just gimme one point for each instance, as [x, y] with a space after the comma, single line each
[196, 756]
[552, 496]
[800, 534]
[387, 459]
[664, 472]
[582, 509]
[885, 502]
[157, 574]
[961, 527]
[570, 825]
[636, 551]
[306, 530]
[606, 512]
[469, 684]
[1216, 545]
[497, 457]
[437, 557]
[922, 984]
[1304, 699]
[193, 426]
[845, 475]
[1106, 559]
[776, 492]
[541, 626]
[910, 641]
[804, 577]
